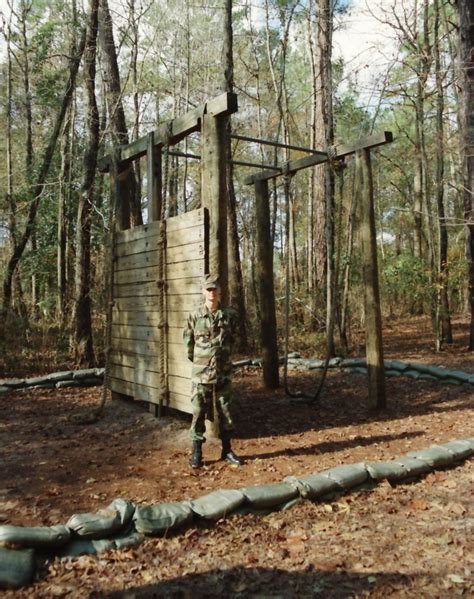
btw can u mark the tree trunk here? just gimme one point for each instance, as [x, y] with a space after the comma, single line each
[38, 186]
[466, 55]
[63, 197]
[236, 286]
[83, 345]
[116, 112]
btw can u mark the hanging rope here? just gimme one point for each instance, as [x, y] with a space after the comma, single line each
[108, 291]
[309, 399]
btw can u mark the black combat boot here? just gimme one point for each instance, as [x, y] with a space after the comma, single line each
[196, 457]
[229, 455]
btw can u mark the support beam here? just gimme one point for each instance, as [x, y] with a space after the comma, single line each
[174, 131]
[154, 182]
[265, 286]
[337, 151]
[373, 316]
[276, 144]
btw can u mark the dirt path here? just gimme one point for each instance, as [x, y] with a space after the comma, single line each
[409, 541]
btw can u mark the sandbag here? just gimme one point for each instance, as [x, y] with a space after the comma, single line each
[356, 370]
[4, 390]
[85, 373]
[266, 496]
[347, 475]
[157, 519]
[17, 568]
[37, 537]
[390, 470]
[333, 362]
[396, 365]
[392, 372]
[60, 376]
[413, 374]
[105, 522]
[353, 362]
[436, 456]
[63, 384]
[459, 449]
[14, 383]
[78, 547]
[129, 539]
[312, 486]
[217, 504]
[36, 380]
[413, 466]
[459, 375]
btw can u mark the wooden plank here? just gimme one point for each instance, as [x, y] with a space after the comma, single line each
[176, 401]
[138, 290]
[137, 346]
[181, 253]
[136, 275]
[180, 368]
[177, 319]
[150, 303]
[141, 260]
[135, 332]
[175, 335]
[176, 384]
[134, 360]
[154, 178]
[142, 318]
[193, 218]
[340, 151]
[139, 232]
[190, 286]
[177, 352]
[184, 303]
[185, 270]
[137, 247]
[185, 236]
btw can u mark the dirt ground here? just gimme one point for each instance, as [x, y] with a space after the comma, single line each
[409, 540]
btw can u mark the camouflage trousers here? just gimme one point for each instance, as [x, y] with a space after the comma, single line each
[202, 401]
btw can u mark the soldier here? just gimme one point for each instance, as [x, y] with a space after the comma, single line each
[208, 338]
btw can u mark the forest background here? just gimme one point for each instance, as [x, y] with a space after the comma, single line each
[79, 78]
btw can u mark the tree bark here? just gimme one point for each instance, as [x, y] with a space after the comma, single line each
[129, 200]
[83, 344]
[466, 56]
[236, 285]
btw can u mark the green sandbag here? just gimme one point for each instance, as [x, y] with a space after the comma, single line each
[334, 362]
[312, 486]
[105, 522]
[217, 504]
[396, 365]
[85, 373]
[347, 475]
[4, 390]
[64, 384]
[392, 372]
[436, 456]
[414, 467]
[266, 496]
[390, 470]
[37, 537]
[129, 539]
[157, 519]
[460, 449]
[356, 370]
[60, 376]
[17, 568]
[353, 363]
[36, 381]
[79, 547]
[14, 383]
[413, 374]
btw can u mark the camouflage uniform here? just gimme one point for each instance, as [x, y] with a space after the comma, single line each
[208, 340]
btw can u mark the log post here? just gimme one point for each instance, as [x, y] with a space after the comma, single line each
[265, 286]
[214, 198]
[373, 316]
[154, 183]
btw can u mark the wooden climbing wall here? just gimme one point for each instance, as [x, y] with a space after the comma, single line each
[158, 272]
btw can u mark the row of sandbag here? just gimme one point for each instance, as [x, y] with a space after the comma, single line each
[69, 378]
[392, 368]
[122, 524]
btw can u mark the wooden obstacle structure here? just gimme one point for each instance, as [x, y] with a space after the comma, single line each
[158, 267]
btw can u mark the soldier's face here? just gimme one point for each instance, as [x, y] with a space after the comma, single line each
[212, 296]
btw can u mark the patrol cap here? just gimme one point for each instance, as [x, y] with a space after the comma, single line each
[211, 281]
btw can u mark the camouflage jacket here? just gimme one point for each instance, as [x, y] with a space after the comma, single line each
[208, 341]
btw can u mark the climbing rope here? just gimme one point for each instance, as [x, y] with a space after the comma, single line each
[309, 399]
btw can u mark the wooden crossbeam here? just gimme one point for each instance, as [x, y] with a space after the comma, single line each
[339, 151]
[173, 131]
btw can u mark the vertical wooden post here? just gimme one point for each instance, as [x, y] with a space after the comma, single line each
[265, 286]
[121, 221]
[373, 316]
[214, 198]
[154, 193]
[153, 169]
[214, 194]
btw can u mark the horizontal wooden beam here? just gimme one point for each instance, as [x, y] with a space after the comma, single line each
[338, 151]
[276, 144]
[234, 162]
[173, 131]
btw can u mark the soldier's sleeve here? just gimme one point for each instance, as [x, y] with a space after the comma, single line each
[188, 337]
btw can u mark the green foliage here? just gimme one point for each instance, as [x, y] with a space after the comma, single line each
[406, 284]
